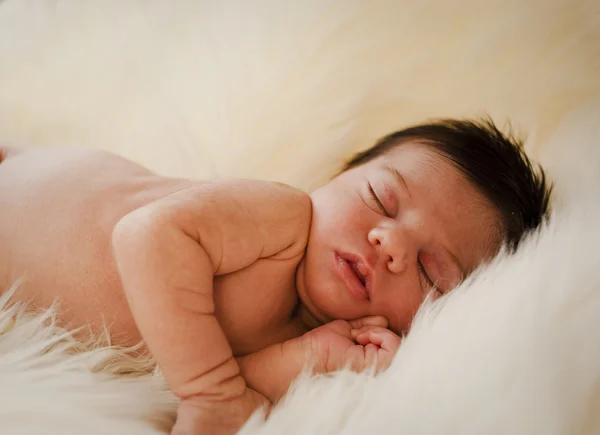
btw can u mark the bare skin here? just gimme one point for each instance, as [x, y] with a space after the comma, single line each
[233, 285]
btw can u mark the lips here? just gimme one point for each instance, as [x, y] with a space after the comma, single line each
[354, 274]
[360, 276]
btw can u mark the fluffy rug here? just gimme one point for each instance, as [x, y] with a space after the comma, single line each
[284, 90]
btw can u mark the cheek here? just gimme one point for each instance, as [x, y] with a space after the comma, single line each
[401, 308]
[342, 215]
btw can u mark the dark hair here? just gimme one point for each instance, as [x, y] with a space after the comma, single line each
[493, 162]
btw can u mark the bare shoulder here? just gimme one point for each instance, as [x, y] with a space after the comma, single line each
[279, 209]
[277, 200]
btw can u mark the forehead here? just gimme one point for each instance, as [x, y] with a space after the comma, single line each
[451, 210]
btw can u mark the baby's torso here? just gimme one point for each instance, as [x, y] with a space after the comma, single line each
[58, 210]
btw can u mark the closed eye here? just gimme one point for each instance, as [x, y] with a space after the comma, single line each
[426, 277]
[377, 200]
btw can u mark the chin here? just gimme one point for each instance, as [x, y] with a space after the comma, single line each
[331, 305]
[319, 310]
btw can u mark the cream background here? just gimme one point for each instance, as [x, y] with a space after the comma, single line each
[285, 90]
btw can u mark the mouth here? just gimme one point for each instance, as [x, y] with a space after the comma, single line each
[360, 276]
[354, 273]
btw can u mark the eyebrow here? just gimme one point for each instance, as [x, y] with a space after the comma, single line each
[398, 176]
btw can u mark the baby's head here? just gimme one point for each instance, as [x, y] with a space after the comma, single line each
[416, 213]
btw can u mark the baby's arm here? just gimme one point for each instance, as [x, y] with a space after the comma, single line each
[168, 253]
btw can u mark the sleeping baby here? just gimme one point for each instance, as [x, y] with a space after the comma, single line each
[233, 286]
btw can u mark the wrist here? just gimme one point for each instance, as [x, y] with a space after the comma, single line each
[203, 415]
[271, 370]
[221, 383]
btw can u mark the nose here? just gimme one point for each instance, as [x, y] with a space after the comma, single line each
[392, 245]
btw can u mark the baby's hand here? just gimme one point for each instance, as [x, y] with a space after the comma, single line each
[380, 344]
[198, 416]
[357, 344]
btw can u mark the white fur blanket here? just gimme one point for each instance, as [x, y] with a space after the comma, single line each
[259, 89]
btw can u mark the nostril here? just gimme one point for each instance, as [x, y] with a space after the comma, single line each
[396, 264]
[374, 239]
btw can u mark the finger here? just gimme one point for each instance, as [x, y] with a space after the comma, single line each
[369, 321]
[371, 356]
[384, 338]
[360, 358]
[356, 332]
[384, 361]
[367, 338]
[356, 358]
[378, 358]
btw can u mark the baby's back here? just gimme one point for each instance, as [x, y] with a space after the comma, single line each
[59, 208]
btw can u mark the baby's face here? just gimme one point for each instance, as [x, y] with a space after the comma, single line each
[387, 233]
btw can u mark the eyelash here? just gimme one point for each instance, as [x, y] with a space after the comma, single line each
[377, 200]
[423, 273]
